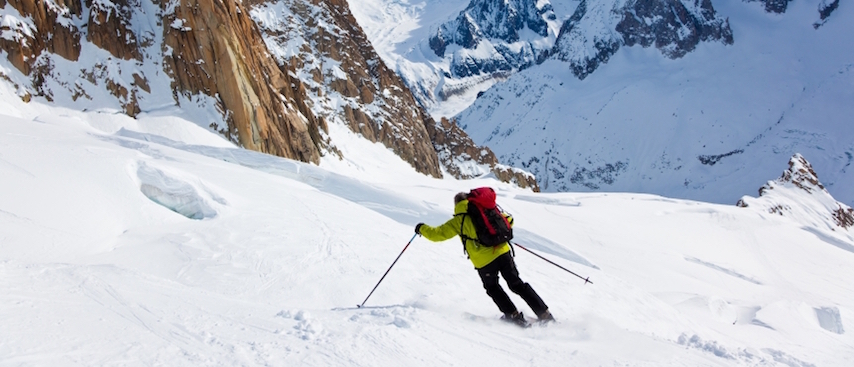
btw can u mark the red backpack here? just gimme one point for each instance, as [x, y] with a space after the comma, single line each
[490, 224]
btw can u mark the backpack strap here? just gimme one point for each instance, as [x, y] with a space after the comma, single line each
[463, 237]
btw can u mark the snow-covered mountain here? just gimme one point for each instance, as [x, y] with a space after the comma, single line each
[490, 40]
[292, 78]
[697, 100]
[711, 125]
[597, 29]
[152, 241]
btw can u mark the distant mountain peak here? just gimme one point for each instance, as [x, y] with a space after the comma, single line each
[800, 174]
[489, 36]
[799, 194]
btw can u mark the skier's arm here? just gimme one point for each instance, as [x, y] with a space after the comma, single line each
[446, 231]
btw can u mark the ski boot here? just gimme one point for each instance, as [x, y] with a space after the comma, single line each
[516, 318]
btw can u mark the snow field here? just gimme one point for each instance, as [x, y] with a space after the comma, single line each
[96, 272]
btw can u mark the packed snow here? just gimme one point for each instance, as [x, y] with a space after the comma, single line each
[152, 241]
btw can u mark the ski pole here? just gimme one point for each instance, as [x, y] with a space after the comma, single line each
[386, 272]
[586, 280]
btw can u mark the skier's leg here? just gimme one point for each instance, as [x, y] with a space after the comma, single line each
[511, 276]
[489, 277]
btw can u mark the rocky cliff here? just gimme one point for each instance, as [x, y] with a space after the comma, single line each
[217, 50]
[825, 9]
[348, 83]
[205, 47]
[344, 78]
[49, 29]
[773, 6]
[461, 153]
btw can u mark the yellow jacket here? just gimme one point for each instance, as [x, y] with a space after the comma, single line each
[479, 255]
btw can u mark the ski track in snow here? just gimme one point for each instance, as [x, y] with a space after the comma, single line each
[723, 270]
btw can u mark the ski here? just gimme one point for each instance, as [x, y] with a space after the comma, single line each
[527, 324]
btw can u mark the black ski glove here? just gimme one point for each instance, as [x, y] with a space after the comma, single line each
[418, 228]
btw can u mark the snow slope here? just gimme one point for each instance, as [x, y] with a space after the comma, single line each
[153, 242]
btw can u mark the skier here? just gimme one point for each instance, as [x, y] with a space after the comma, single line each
[489, 262]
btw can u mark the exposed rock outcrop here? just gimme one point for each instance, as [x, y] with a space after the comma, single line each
[51, 30]
[672, 27]
[109, 28]
[825, 9]
[497, 38]
[209, 47]
[346, 80]
[496, 27]
[456, 149]
[774, 6]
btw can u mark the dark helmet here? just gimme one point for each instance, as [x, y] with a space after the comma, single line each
[460, 196]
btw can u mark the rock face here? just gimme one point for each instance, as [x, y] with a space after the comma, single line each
[217, 50]
[345, 80]
[276, 73]
[799, 194]
[597, 30]
[674, 29]
[206, 47]
[496, 29]
[347, 83]
[51, 30]
[109, 28]
[457, 148]
[825, 9]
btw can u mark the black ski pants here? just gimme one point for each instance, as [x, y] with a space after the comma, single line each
[505, 266]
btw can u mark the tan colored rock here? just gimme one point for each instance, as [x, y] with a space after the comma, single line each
[108, 28]
[50, 35]
[217, 50]
[393, 118]
[141, 82]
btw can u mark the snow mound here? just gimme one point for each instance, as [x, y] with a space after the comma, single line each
[175, 194]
